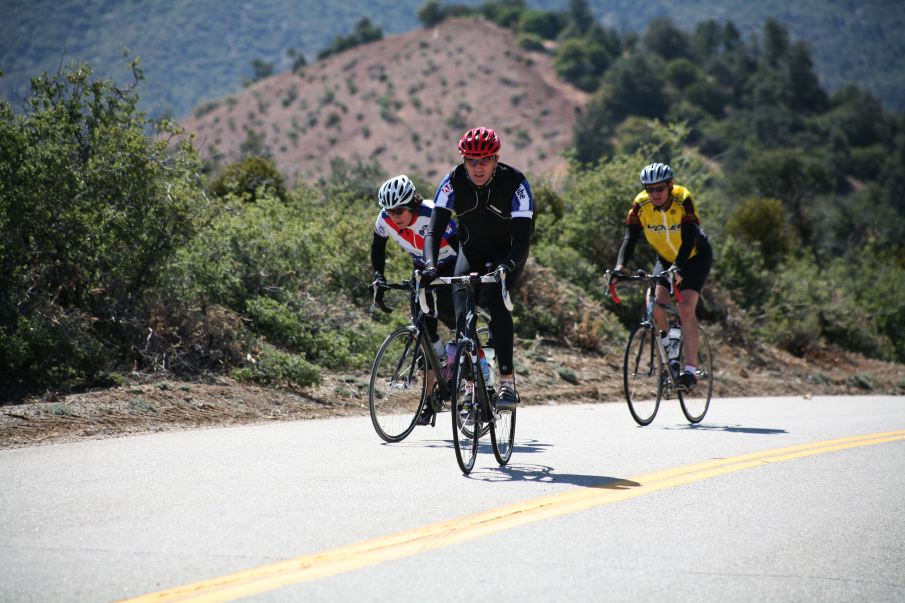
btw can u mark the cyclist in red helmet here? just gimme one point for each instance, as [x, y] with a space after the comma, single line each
[495, 214]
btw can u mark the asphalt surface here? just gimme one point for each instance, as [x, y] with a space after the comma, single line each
[113, 519]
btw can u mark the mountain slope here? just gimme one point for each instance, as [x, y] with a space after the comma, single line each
[402, 101]
[194, 50]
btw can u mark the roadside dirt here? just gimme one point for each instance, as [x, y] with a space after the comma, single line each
[548, 375]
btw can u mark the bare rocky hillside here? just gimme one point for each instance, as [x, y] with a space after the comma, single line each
[402, 101]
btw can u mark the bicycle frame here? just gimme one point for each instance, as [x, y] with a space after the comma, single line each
[419, 309]
[646, 382]
[474, 407]
[468, 340]
[649, 282]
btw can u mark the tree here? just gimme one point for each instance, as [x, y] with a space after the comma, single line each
[580, 63]
[762, 221]
[249, 178]
[594, 130]
[637, 86]
[579, 19]
[365, 32]
[776, 42]
[706, 40]
[682, 72]
[297, 58]
[666, 40]
[431, 14]
[795, 177]
[807, 95]
[541, 23]
[261, 69]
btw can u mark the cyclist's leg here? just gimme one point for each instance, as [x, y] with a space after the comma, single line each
[463, 266]
[445, 308]
[501, 327]
[661, 296]
[694, 275]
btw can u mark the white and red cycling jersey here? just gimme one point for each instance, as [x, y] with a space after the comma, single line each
[411, 238]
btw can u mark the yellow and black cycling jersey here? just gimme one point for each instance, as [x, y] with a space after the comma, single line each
[662, 226]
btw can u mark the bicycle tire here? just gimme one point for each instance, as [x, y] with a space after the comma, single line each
[484, 336]
[396, 389]
[502, 434]
[696, 403]
[467, 421]
[642, 373]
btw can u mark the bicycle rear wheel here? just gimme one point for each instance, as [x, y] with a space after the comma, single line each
[696, 402]
[467, 422]
[396, 391]
[642, 376]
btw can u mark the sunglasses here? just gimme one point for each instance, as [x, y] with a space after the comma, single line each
[656, 189]
[482, 161]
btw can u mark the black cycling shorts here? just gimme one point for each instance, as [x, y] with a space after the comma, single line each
[696, 270]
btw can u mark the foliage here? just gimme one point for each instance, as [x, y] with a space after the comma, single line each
[761, 223]
[91, 209]
[249, 178]
[294, 268]
[114, 259]
[365, 32]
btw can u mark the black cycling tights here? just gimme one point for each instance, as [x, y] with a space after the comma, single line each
[490, 297]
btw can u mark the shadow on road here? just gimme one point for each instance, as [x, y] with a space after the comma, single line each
[523, 446]
[547, 475]
[731, 429]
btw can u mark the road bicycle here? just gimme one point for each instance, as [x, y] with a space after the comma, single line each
[652, 366]
[397, 391]
[474, 405]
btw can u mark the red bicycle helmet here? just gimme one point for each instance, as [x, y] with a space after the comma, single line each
[479, 142]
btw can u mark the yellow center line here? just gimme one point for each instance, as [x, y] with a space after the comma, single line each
[411, 542]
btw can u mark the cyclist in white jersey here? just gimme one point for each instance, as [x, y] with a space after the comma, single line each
[404, 217]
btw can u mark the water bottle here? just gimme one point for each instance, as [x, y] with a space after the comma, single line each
[450, 361]
[485, 368]
[675, 340]
[490, 374]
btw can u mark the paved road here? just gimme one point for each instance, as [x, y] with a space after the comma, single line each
[592, 507]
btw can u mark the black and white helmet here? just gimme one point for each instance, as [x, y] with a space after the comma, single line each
[656, 172]
[396, 192]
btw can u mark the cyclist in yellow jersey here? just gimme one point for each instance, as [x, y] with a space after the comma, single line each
[666, 214]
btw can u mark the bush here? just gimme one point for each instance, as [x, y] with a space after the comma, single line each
[544, 24]
[762, 223]
[249, 178]
[530, 41]
[273, 366]
[92, 210]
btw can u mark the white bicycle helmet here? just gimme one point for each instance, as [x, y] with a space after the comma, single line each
[656, 172]
[396, 192]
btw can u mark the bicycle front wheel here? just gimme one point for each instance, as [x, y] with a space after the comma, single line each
[396, 391]
[467, 422]
[696, 402]
[642, 376]
[502, 434]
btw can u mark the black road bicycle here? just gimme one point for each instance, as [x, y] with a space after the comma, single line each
[473, 402]
[651, 368]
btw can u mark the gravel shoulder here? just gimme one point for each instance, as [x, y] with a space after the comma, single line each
[548, 375]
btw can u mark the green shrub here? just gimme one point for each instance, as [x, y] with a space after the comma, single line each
[530, 41]
[273, 366]
[249, 178]
[92, 208]
[762, 223]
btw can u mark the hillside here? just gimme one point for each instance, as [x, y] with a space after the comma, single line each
[201, 50]
[402, 101]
